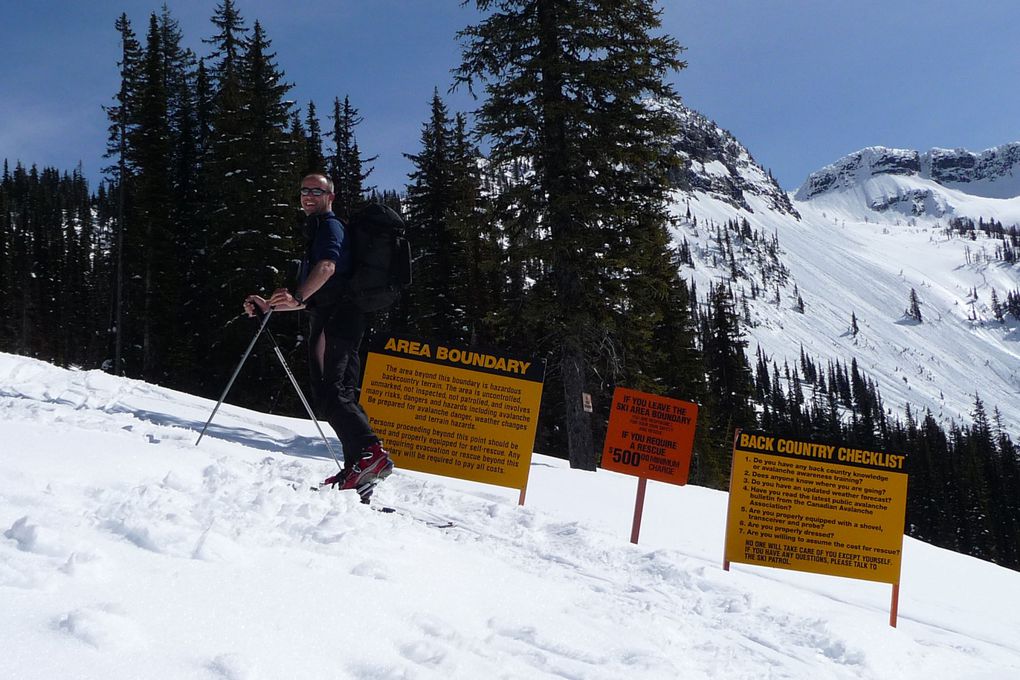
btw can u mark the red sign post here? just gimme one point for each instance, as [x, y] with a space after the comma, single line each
[650, 437]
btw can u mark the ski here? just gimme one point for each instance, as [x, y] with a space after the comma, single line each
[436, 522]
[429, 519]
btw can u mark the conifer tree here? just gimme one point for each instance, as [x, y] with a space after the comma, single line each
[50, 261]
[347, 168]
[314, 160]
[458, 281]
[122, 117]
[250, 173]
[914, 309]
[680, 364]
[978, 481]
[7, 264]
[566, 84]
[204, 107]
[268, 163]
[227, 122]
[179, 73]
[77, 302]
[997, 309]
[514, 325]
[729, 385]
[185, 283]
[438, 247]
[483, 285]
[1008, 503]
[203, 236]
[1013, 303]
[229, 44]
[148, 247]
[267, 173]
[226, 113]
[25, 241]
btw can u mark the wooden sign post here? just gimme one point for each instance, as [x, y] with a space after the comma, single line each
[651, 437]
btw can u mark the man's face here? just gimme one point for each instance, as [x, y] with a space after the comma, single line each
[311, 203]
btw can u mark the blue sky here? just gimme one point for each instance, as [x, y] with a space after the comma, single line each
[799, 82]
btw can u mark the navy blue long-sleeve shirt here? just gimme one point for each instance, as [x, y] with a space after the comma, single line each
[328, 242]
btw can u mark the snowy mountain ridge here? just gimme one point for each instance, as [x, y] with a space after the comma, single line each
[844, 257]
[935, 183]
[714, 163]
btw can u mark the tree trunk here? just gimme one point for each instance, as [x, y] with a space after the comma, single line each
[580, 443]
[554, 166]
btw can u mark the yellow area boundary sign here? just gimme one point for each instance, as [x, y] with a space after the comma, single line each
[452, 411]
[821, 507]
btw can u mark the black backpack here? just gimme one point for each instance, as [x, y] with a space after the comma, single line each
[381, 257]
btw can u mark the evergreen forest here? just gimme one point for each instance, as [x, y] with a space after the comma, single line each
[552, 245]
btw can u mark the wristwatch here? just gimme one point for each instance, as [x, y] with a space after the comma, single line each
[297, 296]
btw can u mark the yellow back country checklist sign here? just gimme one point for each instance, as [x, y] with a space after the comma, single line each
[826, 508]
[452, 411]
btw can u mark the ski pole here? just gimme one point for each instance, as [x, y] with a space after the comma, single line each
[262, 326]
[301, 395]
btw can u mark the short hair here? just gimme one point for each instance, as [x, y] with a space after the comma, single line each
[320, 175]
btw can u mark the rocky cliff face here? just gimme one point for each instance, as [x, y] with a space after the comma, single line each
[993, 173]
[715, 163]
[857, 168]
[999, 165]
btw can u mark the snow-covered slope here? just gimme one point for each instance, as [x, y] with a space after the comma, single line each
[846, 258]
[128, 552]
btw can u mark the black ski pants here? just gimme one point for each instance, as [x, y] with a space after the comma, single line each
[333, 343]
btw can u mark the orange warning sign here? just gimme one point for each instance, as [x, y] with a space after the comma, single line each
[650, 436]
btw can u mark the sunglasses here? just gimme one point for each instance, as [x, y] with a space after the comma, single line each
[307, 191]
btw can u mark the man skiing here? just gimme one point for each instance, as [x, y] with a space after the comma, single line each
[337, 327]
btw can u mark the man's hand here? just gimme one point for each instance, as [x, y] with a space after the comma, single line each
[253, 302]
[283, 300]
